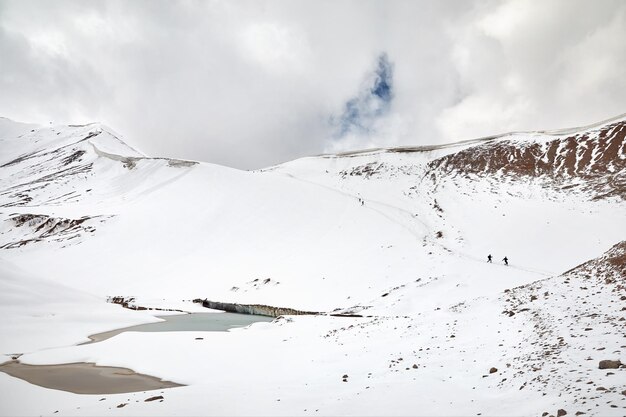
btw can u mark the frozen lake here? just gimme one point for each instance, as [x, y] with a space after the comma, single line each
[196, 322]
[88, 378]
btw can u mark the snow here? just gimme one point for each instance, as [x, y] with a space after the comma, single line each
[35, 310]
[172, 231]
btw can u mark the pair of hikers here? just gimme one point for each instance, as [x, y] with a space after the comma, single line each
[505, 259]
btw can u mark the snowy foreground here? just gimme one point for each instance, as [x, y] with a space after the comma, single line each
[398, 236]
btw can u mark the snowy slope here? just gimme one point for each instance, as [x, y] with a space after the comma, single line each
[35, 309]
[398, 235]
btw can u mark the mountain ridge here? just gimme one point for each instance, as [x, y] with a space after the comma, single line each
[399, 238]
[399, 149]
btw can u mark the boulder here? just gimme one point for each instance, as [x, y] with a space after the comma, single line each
[609, 364]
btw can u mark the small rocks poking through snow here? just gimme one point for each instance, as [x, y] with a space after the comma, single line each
[157, 397]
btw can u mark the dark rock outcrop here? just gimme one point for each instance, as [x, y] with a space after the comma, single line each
[257, 309]
[595, 157]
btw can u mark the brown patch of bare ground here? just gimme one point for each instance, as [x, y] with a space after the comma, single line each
[85, 378]
[600, 161]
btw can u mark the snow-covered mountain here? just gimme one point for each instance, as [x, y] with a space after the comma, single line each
[397, 235]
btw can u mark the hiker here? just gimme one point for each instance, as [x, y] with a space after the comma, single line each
[506, 260]
[489, 258]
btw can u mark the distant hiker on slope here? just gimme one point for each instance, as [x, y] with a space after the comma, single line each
[506, 260]
[489, 258]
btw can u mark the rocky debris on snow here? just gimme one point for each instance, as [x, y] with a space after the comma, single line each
[561, 412]
[156, 397]
[366, 171]
[592, 290]
[255, 284]
[65, 171]
[24, 229]
[129, 303]
[44, 183]
[609, 364]
[73, 157]
[493, 370]
[41, 153]
[258, 309]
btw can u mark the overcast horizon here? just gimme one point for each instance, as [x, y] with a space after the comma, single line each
[250, 84]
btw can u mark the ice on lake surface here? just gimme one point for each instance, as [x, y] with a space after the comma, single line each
[88, 378]
[197, 322]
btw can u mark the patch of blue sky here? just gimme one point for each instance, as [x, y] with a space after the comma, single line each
[371, 102]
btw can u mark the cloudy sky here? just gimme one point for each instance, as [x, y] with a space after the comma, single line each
[253, 83]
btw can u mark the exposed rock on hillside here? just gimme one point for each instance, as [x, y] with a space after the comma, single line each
[23, 229]
[573, 312]
[594, 160]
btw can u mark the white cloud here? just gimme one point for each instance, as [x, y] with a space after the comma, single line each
[526, 65]
[277, 48]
